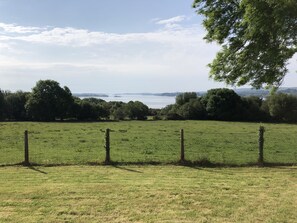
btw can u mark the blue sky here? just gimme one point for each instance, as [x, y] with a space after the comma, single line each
[106, 46]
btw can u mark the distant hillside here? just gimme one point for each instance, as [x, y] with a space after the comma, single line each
[87, 95]
[263, 93]
[244, 92]
[167, 94]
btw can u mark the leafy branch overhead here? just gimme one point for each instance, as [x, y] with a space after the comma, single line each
[258, 37]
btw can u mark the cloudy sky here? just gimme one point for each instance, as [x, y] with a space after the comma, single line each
[106, 46]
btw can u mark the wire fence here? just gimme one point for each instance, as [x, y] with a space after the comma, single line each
[135, 145]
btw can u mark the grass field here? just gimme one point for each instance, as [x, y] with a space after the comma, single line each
[147, 194]
[147, 141]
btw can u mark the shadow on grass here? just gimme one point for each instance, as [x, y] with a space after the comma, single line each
[123, 165]
[126, 169]
[37, 170]
[209, 164]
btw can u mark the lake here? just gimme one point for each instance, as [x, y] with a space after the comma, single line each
[152, 101]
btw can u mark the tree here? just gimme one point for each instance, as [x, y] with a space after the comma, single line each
[116, 109]
[185, 97]
[137, 110]
[253, 111]
[49, 101]
[64, 103]
[101, 107]
[258, 37]
[15, 105]
[283, 107]
[193, 110]
[87, 111]
[170, 112]
[118, 113]
[222, 104]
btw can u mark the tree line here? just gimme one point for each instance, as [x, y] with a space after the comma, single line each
[48, 101]
[224, 104]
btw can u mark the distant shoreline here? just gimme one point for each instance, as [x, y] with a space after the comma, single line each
[241, 92]
[122, 94]
[151, 100]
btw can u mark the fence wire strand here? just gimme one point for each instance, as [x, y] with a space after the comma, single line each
[136, 144]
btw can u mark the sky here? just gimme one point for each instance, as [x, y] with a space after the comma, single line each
[107, 46]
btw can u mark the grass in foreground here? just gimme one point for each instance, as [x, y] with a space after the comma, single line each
[146, 141]
[147, 194]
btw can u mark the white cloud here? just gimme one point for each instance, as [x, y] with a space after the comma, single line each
[172, 23]
[81, 37]
[172, 20]
[13, 28]
[96, 58]
[170, 58]
[69, 36]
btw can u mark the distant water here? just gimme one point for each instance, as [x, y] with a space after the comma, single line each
[151, 101]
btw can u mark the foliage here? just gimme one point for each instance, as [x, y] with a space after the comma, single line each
[117, 110]
[15, 105]
[185, 97]
[222, 104]
[217, 104]
[132, 110]
[91, 109]
[283, 107]
[96, 101]
[258, 37]
[136, 110]
[49, 101]
[87, 111]
[118, 114]
[170, 112]
[187, 106]
[154, 111]
[192, 110]
[253, 109]
[225, 104]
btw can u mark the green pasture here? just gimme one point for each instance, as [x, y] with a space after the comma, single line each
[147, 194]
[147, 141]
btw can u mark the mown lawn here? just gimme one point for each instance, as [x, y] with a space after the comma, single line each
[147, 141]
[147, 194]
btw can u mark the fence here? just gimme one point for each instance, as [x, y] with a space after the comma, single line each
[135, 145]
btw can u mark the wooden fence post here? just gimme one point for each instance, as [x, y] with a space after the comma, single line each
[107, 146]
[261, 145]
[26, 142]
[182, 146]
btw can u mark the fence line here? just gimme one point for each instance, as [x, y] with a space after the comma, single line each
[261, 145]
[182, 146]
[119, 147]
[107, 146]
[26, 142]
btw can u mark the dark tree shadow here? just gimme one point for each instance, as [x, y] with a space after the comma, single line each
[199, 164]
[37, 170]
[126, 169]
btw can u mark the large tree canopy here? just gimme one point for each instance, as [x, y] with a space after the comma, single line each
[258, 37]
[49, 101]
